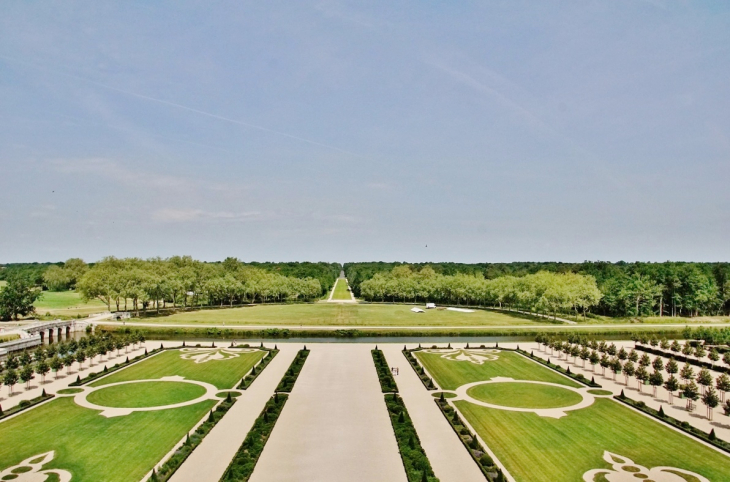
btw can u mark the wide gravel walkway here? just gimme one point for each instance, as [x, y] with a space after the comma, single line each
[335, 426]
[210, 459]
[450, 460]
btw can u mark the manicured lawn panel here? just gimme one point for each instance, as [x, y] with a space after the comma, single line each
[525, 395]
[119, 449]
[450, 375]
[221, 373]
[148, 394]
[93, 447]
[539, 449]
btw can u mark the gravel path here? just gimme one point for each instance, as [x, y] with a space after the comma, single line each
[210, 459]
[449, 459]
[335, 427]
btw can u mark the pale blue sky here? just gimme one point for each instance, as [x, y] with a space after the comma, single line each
[342, 131]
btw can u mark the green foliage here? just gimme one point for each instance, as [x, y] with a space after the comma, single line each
[387, 382]
[243, 463]
[414, 457]
[628, 289]
[17, 298]
[287, 383]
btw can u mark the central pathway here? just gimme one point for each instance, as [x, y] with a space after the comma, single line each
[335, 427]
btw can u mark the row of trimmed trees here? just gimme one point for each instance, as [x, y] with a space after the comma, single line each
[183, 281]
[54, 358]
[542, 293]
[702, 385]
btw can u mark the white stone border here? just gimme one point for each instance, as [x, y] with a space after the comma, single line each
[587, 401]
[80, 398]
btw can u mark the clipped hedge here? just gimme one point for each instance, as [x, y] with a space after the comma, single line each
[683, 358]
[387, 382]
[25, 404]
[491, 472]
[414, 458]
[420, 371]
[184, 451]
[257, 369]
[290, 377]
[244, 462]
[684, 426]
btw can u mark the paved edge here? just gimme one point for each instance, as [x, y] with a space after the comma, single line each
[448, 457]
[211, 458]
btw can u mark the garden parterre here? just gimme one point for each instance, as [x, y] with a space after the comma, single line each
[123, 447]
[544, 448]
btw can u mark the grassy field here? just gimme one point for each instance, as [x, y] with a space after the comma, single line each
[67, 303]
[118, 449]
[525, 395]
[150, 394]
[536, 449]
[353, 315]
[450, 375]
[341, 292]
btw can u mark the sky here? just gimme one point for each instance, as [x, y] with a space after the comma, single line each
[466, 131]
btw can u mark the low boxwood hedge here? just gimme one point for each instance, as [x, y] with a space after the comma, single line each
[387, 382]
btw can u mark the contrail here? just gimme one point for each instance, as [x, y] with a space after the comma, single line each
[183, 107]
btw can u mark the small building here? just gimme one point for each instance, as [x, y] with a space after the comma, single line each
[430, 306]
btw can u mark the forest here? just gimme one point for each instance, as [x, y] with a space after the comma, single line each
[180, 281]
[626, 289]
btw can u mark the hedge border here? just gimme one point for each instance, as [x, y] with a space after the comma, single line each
[418, 368]
[293, 372]
[250, 377]
[243, 450]
[404, 440]
[171, 465]
[18, 408]
[683, 426]
[442, 406]
[385, 376]
[682, 358]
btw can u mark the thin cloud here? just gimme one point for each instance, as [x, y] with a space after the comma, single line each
[193, 215]
[114, 171]
[186, 108]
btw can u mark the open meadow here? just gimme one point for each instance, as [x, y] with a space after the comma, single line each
[351, 315]
[104, 432]
[538, 434]
[68, 303]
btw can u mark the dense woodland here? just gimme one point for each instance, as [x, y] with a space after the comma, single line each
[134, 283]
[626, 289]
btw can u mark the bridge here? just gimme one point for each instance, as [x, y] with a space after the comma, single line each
[34, 334]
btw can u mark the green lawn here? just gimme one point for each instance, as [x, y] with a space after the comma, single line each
[536, 449]
[341, 292]
[525, 395]
[353, 315]
[221, 373]
[67, 303]
[450, 375]
[148, 394]
[118, 449]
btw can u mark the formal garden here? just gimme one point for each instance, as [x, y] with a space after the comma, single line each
[121, 424]
[524, 411]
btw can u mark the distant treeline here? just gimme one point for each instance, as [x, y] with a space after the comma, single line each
[181, 280]
[627, 289]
